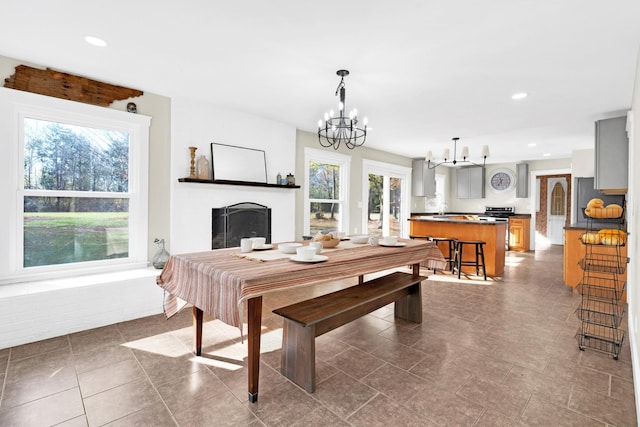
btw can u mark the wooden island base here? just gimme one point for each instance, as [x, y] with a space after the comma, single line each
[493, 233]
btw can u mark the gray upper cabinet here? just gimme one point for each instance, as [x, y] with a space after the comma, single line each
[470, 182]
[522, 180]
[423, 179]
[611, 170]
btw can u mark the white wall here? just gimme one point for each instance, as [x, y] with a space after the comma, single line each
[583, 162]
[633, 225]
[197, 124]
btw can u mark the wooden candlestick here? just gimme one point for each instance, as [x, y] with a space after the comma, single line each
[192, 170]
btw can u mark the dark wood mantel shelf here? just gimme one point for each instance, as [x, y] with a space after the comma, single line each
[230, 182]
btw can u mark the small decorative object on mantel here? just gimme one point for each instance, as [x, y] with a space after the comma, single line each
[291, 180]
[279, 179]
[192, 169]
[203, 167]
[162, 256]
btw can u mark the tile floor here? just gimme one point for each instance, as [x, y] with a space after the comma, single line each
[487, 354]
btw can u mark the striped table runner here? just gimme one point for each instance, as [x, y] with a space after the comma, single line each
[218, 282]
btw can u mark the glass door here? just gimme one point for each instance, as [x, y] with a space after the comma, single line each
[387, 200]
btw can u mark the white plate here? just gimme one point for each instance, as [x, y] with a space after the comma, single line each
[316, 258]
[397, 245]
[264, 247]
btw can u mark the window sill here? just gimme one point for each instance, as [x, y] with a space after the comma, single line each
[28, 287]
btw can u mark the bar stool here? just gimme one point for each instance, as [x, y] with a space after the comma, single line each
[449, 258]
[479, 258]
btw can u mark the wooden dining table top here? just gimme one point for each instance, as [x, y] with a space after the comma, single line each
[219, 281]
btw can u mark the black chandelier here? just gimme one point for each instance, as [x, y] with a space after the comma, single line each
[465, 155]
[341, 129]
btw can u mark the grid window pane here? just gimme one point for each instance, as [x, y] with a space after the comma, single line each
[65, 157]
[324, 216]
[62, 230]
[324, 180]
[395, 206]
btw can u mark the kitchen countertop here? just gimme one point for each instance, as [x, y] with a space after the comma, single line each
[425, 214]
[456, 219]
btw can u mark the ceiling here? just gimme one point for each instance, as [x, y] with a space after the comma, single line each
[422, 71]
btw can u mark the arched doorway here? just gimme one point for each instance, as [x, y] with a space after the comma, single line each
[556, 209]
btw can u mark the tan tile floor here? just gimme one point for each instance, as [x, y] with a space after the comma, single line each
[495, 353]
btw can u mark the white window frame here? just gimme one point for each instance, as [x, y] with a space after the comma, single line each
[344, 162]
[387, 170]
[22, 105]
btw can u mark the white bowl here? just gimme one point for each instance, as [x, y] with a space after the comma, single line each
[360, 238]
[288, 248]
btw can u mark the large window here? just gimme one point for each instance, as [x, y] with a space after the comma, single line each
[326, 179]
[92, 166]
[81, 193]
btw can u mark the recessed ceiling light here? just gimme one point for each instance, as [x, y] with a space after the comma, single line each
[532, 144]
[519, 95]
[546, 154]
[95, 41]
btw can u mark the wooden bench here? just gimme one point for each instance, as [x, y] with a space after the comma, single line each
[306, 320]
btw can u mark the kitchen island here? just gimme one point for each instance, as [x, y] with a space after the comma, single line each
[465, 227]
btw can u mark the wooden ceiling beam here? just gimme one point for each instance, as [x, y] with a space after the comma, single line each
[67, 86]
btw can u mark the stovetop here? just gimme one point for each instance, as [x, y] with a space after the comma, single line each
[500, 211]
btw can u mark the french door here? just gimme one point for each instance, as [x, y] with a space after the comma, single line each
[386, 199]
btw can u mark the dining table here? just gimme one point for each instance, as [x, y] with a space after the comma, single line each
[219, 282]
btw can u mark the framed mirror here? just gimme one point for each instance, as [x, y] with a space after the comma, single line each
[234, 163]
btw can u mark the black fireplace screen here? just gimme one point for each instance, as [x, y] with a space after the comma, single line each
[234, 222]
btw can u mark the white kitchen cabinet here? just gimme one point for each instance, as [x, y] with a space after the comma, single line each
[470, 182]
[522, 181]
[423, 179]
[611, 170]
